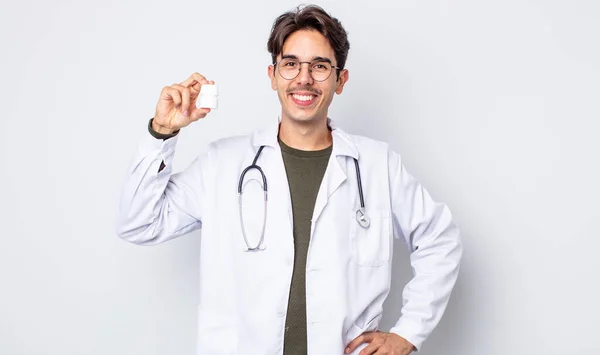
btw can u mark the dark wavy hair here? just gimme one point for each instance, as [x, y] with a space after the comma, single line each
[311, 17]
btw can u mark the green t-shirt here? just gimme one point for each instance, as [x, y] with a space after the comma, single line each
[305, 171]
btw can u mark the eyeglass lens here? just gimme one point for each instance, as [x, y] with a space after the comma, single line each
[290, 68]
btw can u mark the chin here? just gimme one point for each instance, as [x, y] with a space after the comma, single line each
[303, 115]
[303, 118]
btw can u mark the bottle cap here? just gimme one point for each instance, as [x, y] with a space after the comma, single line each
[208, 89]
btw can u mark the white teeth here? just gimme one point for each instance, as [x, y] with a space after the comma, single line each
[303, 97]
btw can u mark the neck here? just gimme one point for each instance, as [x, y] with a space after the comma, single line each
[305, 136]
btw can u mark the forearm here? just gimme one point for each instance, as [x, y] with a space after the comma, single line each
[433, 239]
[436, 264]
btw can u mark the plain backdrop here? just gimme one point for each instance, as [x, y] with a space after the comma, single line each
[493, 105]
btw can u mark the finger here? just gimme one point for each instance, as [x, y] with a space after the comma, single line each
[370, 349]
[171, 93]
[363, 338]
[185, 101]
[184, 93]
[197, 86]
[199, 113]
[193, 79]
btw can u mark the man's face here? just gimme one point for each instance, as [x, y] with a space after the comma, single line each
[304, 100]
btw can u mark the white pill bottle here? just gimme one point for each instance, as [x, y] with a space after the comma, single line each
[208, 97]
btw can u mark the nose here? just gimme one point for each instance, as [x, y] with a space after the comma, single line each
[304, 77]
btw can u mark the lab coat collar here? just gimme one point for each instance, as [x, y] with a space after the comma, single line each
[342, 142]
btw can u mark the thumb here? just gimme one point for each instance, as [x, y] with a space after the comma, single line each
[199, 113]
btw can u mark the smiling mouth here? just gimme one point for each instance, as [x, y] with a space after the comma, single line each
[303, 100]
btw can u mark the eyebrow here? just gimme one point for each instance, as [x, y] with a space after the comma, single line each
[317, 58]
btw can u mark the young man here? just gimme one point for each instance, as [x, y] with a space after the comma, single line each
[306, 270]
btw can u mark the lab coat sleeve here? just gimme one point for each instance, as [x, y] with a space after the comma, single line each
[156, 206]
[435, 250]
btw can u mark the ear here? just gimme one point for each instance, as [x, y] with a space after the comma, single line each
[271, 72]
[344, 76]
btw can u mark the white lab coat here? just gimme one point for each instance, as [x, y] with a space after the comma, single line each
[243, 296]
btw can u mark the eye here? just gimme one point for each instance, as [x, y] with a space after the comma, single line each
[290, 64]
[321, 66]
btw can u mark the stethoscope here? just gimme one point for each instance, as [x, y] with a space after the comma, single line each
[361, 214]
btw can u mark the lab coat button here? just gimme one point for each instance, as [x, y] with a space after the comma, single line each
[281, 314]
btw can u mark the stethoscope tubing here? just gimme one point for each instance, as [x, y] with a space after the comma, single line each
[361, 215]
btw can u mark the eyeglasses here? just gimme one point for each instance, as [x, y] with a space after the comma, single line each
[319, 70]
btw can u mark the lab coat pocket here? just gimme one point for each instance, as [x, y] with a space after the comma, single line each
[371, 245]
[217, 333]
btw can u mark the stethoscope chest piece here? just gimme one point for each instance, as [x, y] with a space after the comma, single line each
[362, 218]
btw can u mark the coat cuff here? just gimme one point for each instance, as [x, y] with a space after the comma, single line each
[410, 331]
[161, 149]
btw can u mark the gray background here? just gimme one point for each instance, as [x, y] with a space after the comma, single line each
[493, 105]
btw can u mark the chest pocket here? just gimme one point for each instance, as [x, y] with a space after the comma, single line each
[371, 246]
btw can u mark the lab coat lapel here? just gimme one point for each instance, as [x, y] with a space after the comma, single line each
[335, 174]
